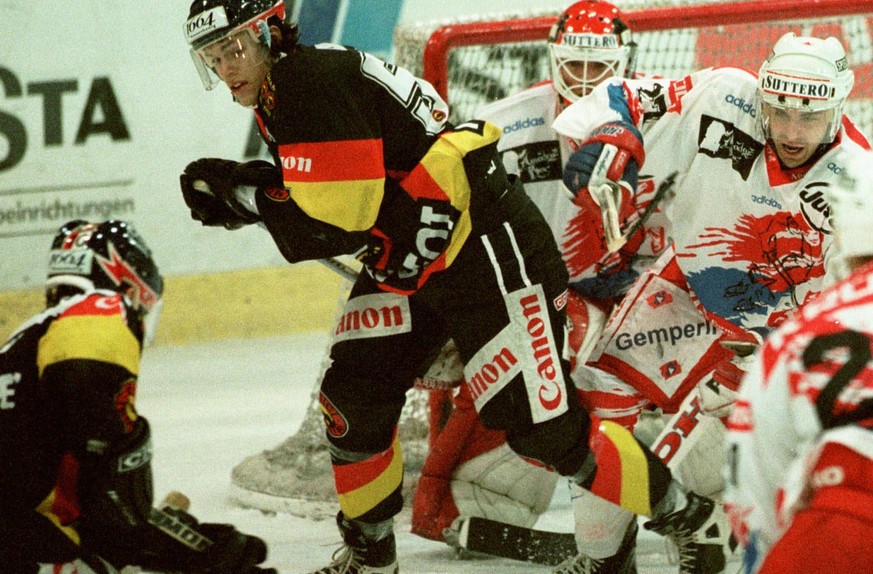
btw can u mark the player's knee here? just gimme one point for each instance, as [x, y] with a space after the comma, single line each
[560, 443]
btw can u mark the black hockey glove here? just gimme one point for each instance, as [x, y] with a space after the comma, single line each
[175, 541]
[209, 185]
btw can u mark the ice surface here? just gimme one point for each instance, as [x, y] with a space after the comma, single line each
[211, 405]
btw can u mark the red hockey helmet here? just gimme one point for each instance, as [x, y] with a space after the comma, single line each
[587, 44]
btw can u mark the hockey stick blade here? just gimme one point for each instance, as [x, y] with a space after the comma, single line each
[476, 534]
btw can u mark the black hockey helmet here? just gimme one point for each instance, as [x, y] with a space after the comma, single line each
[211, 21]
[107, 255]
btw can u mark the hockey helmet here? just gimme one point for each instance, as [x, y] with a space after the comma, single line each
[108, 255]
[587, 44]
[234, 29]
[808, 75]
[851, 207]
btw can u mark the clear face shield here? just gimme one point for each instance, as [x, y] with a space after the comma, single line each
[246, 46]
[578, 70]
[151, 317]
[799, 125]
[801, 108]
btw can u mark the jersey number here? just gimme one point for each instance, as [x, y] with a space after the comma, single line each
[858, 346]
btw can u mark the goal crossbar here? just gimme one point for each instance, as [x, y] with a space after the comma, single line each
[446, 38]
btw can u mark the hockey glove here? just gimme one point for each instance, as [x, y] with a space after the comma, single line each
[177, 542]
[209, 188]
[719, 392]
[602, 176]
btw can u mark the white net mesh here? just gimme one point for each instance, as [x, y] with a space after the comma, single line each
[494, 67]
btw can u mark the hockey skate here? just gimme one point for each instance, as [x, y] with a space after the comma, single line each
[358, 555]
[623, 562]
[701, 533]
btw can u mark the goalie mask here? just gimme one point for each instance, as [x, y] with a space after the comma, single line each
[802, 88]
[109, 255]
[588, 44]
[230, 33]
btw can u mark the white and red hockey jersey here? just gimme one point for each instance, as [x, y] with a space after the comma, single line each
[750, 237]
[802, 427]
[533, 150]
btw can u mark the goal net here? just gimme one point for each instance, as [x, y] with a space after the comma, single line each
[476, 60]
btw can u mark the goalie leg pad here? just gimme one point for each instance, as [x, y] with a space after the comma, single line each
[600, 525]
[463, 438]
[502, 486]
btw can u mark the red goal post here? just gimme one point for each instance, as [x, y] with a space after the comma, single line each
[471, 63]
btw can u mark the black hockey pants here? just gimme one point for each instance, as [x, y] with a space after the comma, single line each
[502, 301]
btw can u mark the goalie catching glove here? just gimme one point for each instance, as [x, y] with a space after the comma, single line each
[602, 176]
[219, 192]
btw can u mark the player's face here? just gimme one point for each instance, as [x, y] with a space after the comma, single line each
[582, 76]
[796, 134]
[241, 62]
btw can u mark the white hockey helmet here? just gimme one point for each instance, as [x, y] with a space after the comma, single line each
[808, 75]
[587, 44]
[851, 205]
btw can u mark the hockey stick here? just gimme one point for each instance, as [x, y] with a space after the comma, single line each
[615, 240]
[484, 536]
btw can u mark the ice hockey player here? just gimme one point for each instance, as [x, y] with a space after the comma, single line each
[470, 471]
[763, 150]
[76, 482]
[800, 474]
[451, 247]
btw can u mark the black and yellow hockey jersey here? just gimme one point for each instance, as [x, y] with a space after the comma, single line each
[67, 385]
[369, 162]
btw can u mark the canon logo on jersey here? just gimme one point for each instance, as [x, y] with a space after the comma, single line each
[524, 124]
[376, 315]
[766, 201]
[291, 163]
[741, 103]
[538, 329]
[494, 371]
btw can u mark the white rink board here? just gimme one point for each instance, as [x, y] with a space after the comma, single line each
[100, 110]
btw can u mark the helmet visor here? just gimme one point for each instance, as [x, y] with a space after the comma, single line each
[798, 126]
[241, 48]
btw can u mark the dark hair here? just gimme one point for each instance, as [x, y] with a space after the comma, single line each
[290, 36]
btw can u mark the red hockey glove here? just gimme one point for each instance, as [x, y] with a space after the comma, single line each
[602, 176]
